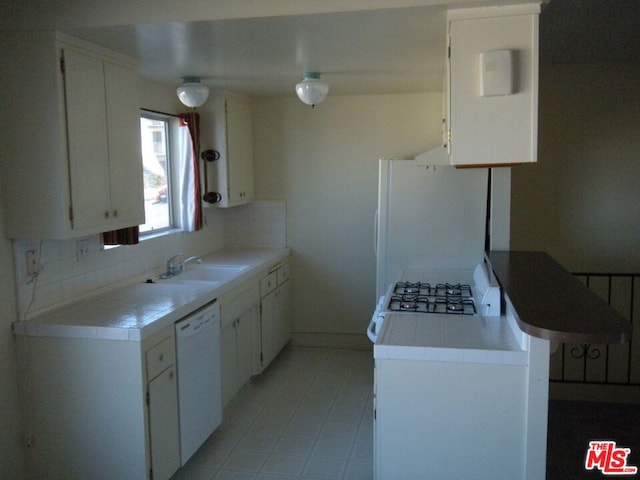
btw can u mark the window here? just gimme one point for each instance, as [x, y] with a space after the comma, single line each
[154, 132]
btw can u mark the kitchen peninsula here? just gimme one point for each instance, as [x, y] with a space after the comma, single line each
[552, 303]
[477, 384]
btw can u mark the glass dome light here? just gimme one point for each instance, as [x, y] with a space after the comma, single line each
[192, 93]
[311, 90]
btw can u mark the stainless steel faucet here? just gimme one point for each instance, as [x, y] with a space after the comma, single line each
[183, 264]
[173, 269]
[171, 266]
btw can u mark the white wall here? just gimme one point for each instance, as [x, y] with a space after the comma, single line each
[581, 201]
[324, 163]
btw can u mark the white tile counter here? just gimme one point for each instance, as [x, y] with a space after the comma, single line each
[449, 338]
[138, 310]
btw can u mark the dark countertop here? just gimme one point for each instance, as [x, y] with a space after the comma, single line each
[553, 304]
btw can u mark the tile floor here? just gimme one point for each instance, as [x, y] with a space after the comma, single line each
[308, 416]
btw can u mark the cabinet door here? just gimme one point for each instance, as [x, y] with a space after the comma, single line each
[228, 358]
[246, 342]
[488, 130]
[125, 162]
[275, 323]
[239, 151]
[240, 359]
[268, 322]
[87, 139]
[284, 312]
[163, 424]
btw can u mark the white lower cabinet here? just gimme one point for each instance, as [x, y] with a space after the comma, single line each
[275, 312]
[256, 325]
[240, 338]
[163, 424]
[162, 407]
[99, 409]
[276, 325]
[450, 420]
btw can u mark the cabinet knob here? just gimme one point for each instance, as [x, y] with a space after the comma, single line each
[106, 214]
[115, 213]
[161, 357]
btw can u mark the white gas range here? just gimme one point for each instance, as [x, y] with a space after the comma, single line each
[441, 295]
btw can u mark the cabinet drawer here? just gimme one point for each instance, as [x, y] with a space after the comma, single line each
[160, 357]
[268, 283]
[283, 273]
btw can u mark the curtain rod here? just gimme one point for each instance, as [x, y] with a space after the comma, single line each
[160, 113]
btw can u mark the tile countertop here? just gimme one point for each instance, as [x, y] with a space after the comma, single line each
[138, 310]
[449, 338]
[553, 304]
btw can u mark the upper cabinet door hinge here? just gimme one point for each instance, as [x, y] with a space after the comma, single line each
[70, 213]
[62, 64]
[148, 398]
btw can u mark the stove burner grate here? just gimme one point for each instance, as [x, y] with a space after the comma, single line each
[421, 297]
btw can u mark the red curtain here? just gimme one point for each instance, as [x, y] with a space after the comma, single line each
[192, 121]
[124, 236]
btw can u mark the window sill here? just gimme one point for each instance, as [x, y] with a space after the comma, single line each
[162, 233]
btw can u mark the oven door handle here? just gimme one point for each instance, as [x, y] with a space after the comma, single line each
[375, 325]
[376, 320]
[371, 330]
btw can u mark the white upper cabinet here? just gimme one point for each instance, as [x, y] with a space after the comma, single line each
[74, 142]
[229, 131]
[491, 85]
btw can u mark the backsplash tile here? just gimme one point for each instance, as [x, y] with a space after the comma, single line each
[258, 224]
[64, 278]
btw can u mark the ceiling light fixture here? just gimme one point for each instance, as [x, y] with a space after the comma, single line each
[311, 90]
[192, 93]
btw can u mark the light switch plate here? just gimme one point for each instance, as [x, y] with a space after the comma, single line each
[82, 249]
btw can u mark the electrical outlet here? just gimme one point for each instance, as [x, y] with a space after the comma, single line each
[32, 262]
[82, 249]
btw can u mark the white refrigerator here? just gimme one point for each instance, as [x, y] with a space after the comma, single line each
[431, 217]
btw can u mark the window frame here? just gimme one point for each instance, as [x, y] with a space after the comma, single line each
[168, 121]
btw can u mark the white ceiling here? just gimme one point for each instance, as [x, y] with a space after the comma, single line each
[373, 51]
[261, 47]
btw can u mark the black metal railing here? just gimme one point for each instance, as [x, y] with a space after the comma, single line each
[604, 364]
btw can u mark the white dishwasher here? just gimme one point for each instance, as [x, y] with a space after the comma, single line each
[199, 382]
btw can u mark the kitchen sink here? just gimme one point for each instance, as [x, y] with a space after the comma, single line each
[205, 274]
